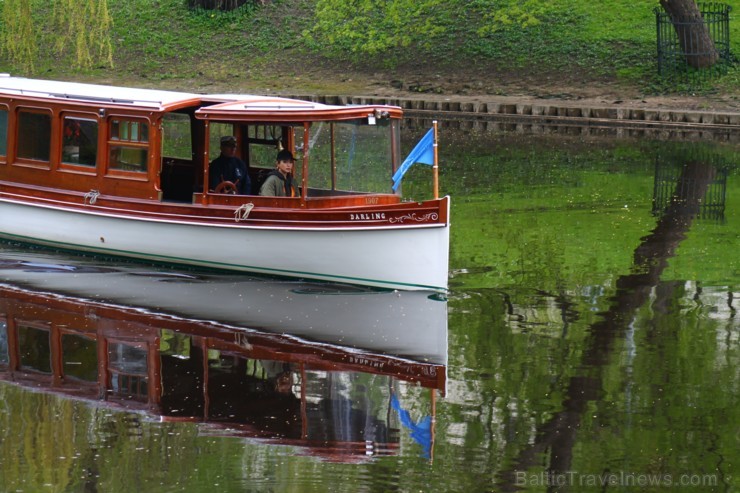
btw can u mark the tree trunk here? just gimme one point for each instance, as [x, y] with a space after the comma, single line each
[693, 34]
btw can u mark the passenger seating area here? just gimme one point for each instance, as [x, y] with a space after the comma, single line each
[179, 180]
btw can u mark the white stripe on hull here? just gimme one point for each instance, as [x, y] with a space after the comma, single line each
[408, 259]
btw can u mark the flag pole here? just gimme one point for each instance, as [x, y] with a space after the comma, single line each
[436, 164]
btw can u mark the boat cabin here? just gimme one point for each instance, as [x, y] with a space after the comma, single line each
[150, 145]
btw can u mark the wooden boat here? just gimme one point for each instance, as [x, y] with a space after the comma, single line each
[121, 171]
[331, 402]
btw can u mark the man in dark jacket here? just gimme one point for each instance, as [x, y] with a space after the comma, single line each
[227, 168]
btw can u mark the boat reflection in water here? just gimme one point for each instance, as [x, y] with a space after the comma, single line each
[183, 346]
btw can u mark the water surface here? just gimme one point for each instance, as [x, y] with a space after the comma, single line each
[591, 343]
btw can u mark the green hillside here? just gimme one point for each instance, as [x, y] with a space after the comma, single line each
[319, 45]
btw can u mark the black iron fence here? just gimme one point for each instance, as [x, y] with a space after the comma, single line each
[684, 54]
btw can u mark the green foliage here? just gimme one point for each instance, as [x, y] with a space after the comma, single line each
[495, 13]
[385, 27]
[83, 28]
[375, 26]
[76, 28]
[17, 35]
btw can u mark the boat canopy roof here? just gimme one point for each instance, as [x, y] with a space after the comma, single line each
[240, 107]
[75, 91]
[276, 109]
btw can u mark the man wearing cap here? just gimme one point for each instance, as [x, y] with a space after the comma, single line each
[229, 168]
[279, 182]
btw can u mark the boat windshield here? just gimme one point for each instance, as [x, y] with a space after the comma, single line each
[355, 156]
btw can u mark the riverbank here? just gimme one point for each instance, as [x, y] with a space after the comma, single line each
[470, 95]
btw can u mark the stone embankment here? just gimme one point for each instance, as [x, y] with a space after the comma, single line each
[538, 116]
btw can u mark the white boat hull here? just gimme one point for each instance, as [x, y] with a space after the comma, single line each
[412, 257]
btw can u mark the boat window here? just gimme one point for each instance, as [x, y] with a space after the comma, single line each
[218, 130]
[35, 348]
[79, 141]
[3, 131]
[128, 130]
[34, 135]
[128, 369]
[79, 356]
[262, 156]
[351, 157]
[176, 136]
[4, 345]
[264, 142]
[128, 145]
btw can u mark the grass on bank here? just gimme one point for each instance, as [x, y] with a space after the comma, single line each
[580, 40]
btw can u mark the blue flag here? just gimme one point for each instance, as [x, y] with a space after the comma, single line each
[422, 153]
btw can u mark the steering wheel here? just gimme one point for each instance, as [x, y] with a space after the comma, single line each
[226, 187]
